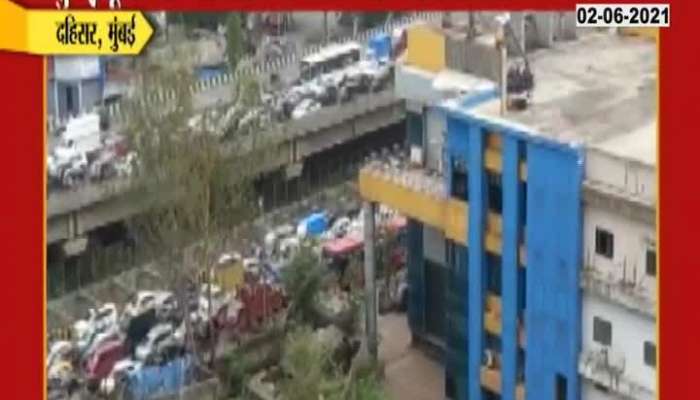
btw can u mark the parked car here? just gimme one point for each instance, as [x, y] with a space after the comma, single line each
[141, 302]
[61, 375]
[99, 365]
[305, 107]
[98, 338]
[59, 351]
[159, 333]
[117, 377]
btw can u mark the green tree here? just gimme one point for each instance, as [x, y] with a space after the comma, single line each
[197, 190]
[302, 281]
[234, 39]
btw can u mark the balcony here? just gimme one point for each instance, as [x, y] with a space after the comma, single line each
[633, 296]
[605, 367]
[418, 194]
[491, 381]
[493, 320]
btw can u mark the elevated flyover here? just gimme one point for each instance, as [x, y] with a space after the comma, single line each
[73, 213]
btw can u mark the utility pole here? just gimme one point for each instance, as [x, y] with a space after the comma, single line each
[355, 23]
[502, 46]
[325, 27]
[368, 210]
[471, 28]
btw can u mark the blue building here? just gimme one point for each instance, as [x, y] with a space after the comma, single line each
[495, 207]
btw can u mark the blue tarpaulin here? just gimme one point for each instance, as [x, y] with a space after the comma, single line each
[381, 46]
[159, 380]
[315, 224]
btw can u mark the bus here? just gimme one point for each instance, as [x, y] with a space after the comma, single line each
[328, 59]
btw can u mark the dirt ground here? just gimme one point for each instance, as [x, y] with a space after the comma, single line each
[409, 373]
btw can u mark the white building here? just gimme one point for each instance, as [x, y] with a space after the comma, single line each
[75, 85]
[618, 358]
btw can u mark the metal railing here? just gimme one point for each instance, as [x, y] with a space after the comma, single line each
[418, 179]
[631, 293]
[605, 367]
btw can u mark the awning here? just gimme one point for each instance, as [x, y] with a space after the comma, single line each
[342, 246]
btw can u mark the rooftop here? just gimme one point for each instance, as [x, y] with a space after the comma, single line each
[590, 91]
[638, 145]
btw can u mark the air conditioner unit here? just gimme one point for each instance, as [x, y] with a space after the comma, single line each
[417, 156]
[75, 246]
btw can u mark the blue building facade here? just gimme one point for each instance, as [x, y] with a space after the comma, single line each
[512, 293]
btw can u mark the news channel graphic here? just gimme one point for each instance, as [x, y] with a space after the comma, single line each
[67, 32]
[623, 15]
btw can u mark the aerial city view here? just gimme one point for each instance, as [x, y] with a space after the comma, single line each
[355, 206]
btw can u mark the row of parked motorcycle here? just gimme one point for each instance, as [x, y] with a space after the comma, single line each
[86, 152]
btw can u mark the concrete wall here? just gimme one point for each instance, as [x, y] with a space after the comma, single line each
[553, 240]
[414, 84]
[629, 332]
[483, 59]
[631, 241]
[632, 177]
[455, 50]
[544, 32]
[426, 48]
[435, 137]
[590, 392]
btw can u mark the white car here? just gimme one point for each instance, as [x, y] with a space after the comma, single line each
[103, 317]
[305, 107]
[228, 258]
[58, 351]
[111, 332]
[161, 301]
[340, 227]
[143, 301]
[119, 371]
[156, 336]
[60, 374]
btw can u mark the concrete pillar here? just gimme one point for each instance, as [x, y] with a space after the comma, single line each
[80, 97]
[503, 66]
[509, 267]
[476, 277]
[56, 109]
[368, 210]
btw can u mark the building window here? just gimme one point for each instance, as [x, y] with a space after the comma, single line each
[495, 192]
[561, 387]
[493, 273]
[604, 243]
[414, 123]
[651, 262]
[650, 354]
[460, 180]
[523, 204]
[602, 331]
